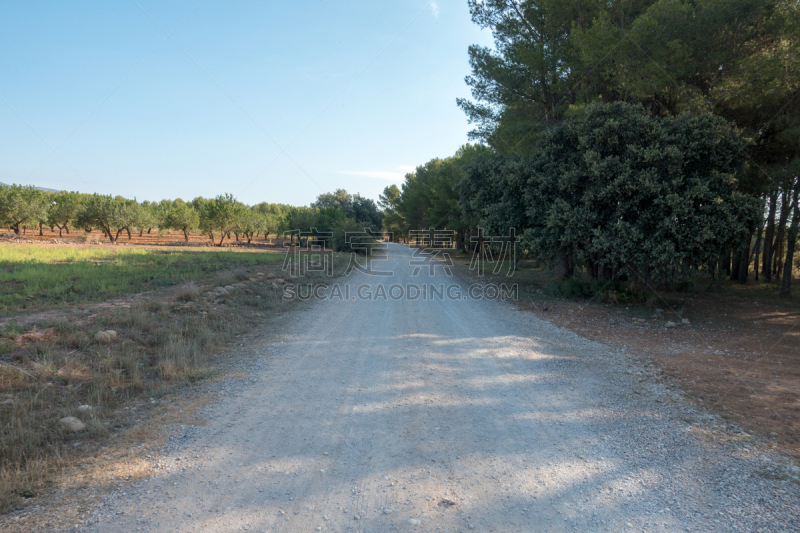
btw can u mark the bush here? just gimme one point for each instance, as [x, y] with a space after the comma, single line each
[621, 193]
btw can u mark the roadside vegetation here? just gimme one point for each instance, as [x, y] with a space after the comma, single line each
[222, 219]
[645, 146]
[118, 361]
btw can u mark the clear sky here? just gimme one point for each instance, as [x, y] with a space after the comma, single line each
[270, 101]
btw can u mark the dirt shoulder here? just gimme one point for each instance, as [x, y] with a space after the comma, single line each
[738, 355]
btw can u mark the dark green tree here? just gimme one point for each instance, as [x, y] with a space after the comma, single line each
[623, 192]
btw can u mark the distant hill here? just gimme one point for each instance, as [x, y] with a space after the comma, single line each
[35, 187]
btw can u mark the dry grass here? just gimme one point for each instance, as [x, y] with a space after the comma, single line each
[160, 347]
[187, 292]
[90, 238]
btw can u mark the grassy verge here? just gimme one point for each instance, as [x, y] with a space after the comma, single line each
[160, 345]
[36, 277]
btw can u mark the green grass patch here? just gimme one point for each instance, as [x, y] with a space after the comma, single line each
[33, 277]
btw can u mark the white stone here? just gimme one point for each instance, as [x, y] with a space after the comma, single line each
[105, 336]
[70, 423]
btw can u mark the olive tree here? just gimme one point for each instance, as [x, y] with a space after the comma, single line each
[221, 215]
[21, 206]
[181, 216]
[64, 210]
[111, 215]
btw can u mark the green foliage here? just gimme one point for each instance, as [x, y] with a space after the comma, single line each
[340, 199]
[622, 193]
[389, 202]
[26, 207]
[276, 210]
[180, 216]
[429, 199]
[221, 215]
[551, 58]
[64, 210]
[492, 194]
[22, 206]
[111, 215]
[250, 223]
[355, 207]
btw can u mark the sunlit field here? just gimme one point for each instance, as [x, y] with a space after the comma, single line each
[44, 276]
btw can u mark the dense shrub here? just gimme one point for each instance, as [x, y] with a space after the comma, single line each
[622, 194]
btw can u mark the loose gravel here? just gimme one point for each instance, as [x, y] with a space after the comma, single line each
[452, 415]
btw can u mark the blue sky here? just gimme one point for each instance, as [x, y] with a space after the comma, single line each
[270, 101]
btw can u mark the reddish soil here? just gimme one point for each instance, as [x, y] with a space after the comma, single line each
[80, 237]
[736, 357]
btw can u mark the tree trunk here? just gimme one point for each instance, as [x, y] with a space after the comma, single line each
[777, 244]
[185, 235]
[148, 230]
[129, 233]
[141, 232]
[744, 264]
[222, 238]
[756, 250]
[66, 227]
[567, 266]
[779, 262]
[734, 265]
[766, 266]
[790, 243]
[712, 267]
[15, 227]
[40, 230]
[725, 263]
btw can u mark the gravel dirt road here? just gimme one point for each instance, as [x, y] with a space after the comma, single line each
[452, 415]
